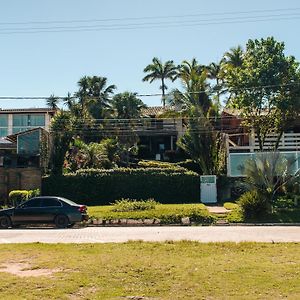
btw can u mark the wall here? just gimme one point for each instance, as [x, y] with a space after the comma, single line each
[18, 179]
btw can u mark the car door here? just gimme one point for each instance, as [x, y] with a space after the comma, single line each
[50, 207]
[28, 212]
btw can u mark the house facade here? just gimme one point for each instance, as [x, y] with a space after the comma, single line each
[242, 145]
[17, 120]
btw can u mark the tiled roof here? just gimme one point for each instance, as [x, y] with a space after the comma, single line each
[156, 110]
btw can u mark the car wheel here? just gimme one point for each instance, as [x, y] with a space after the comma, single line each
[5, 222]
[61, 221]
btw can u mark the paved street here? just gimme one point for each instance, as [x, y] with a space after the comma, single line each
[163, 233]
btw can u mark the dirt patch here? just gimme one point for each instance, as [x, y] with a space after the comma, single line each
[24, 269]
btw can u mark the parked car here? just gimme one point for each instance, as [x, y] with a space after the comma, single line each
[44, 209]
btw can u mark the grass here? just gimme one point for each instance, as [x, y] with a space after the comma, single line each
[167, 213]
[171, 270]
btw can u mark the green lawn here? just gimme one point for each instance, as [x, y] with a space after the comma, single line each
[179, 270]
[167, 213]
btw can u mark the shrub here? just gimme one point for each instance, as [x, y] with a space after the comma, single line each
[284, 202]
[18, 196]
[230, 205]
[99, 187]
[157, 164]
[124, 205]
[253, 204]
[33, 193]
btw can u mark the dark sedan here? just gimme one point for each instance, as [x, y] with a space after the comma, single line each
[45, 209]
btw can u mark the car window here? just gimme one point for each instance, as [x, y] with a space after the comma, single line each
[50, 202]
[31, 203]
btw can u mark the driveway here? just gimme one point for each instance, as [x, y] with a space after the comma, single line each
[159, 233]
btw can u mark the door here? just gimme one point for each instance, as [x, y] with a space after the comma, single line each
[28, 212]
[208, 188]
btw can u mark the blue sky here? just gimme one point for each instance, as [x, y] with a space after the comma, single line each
[44, 63]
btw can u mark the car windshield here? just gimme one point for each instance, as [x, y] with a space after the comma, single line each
[70, 202]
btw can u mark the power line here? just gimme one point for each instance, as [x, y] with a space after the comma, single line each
[149, 25]
[156, 94]
[151, 17]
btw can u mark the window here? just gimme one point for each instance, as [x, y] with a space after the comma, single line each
[3, 125]
[50, 202]
[29, 143]
[3, 132]
[3, 121]
[32, 203]
[25, 122]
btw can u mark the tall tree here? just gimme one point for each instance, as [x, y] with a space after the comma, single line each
[266, 88]
[94, 95]
[127, 105]
[52, 102]
[194, 80]
[161, 71]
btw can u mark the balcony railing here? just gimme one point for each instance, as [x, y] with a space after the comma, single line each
[288, 141]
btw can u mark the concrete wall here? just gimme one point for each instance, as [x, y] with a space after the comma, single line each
[18, 179]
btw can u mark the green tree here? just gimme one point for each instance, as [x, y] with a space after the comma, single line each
[61, 134]
[52, 102]
[161, 71]
[94, 96]
[194, 80]
[265, 86]
[202, 143]
[127, 106]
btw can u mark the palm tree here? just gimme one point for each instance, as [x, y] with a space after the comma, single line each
[94, 95]
[127, 105]
[234, 57]
[161, 71]
[193, 77]
[52, 102]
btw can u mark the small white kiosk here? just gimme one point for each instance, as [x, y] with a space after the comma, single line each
[208, 188]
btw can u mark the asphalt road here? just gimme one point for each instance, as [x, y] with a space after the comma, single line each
[159, 233]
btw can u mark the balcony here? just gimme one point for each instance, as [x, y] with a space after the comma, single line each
[238, 142]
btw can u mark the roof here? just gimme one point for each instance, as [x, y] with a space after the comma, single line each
[27, 110]
[14, 137]
[156, 110]
[7, 144]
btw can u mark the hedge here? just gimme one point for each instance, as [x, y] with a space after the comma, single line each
[100, 187]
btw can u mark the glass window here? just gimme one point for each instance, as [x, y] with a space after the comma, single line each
[3, 132]
[3, 120]
[20, 120]
[50, 202]
[32, 203]
[37, 120]
[237, 163]
[29, 143]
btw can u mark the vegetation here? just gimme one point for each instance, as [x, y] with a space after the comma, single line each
[98, 186]
[264, 84]
[166, 213]
[169, 270]
[125, 205]
[158, 70]
[18, 196]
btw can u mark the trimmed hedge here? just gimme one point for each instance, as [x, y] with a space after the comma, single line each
[99, 187]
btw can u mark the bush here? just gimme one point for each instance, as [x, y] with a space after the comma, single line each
[284, 202]
[124, 205]
[18, 196]
[189, 164]
[230, 205]
[253, 204]
[100, 187]
[157, 164]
